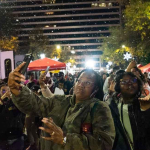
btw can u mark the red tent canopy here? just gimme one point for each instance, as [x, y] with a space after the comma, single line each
[139, 65]
[145, 68]
[41, 64]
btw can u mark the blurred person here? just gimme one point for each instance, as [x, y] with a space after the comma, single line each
[147, 78]
[67, 86]
[104, 76]
[12, 122]
[49, 82]
[138, 73]
[59, 90]
[31, 81]
[130, 118]
[112, 84]
[76, 122]
[107, 82]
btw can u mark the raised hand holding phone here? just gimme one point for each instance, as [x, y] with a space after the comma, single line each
[27, 59]
[43, 77]
[17, 75]
[15, 78]
[47, 69]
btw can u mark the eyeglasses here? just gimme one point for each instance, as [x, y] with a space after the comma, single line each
[125, 82]
[86, 84]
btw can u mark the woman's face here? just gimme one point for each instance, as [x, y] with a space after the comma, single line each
[129, 86]
[84, 86]
[135, 72]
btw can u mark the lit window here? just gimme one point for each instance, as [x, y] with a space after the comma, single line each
[96, 4]
[92, 4]
[49, 13]
[109, 4]
[103, 4]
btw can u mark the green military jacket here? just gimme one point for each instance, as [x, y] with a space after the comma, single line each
[70, 117]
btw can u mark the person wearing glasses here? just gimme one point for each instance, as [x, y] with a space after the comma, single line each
[131, 120]
[78, 122]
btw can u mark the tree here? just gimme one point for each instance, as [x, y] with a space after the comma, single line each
[8, 39]
[64, 55]
[39, 43]
[9, 43]
[134, 34]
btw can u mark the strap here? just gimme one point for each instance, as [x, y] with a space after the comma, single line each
[94, 105]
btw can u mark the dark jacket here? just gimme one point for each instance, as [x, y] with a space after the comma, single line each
[140, 124]
[11, 121]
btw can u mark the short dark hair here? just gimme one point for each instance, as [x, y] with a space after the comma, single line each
[115, 68]
[99, 95]
[121, 75]
[120, 71]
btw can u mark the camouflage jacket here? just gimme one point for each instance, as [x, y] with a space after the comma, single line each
[70, 117]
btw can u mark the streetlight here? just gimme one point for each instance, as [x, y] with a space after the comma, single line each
[90, 64]
[58, 46]
[42, 56]
[73, 52]
[123, 46]
[74, 66]
[109, 63]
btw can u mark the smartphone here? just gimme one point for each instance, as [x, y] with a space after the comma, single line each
[27, 59]
[47, 69]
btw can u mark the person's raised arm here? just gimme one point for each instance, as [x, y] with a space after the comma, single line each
[24, 99]
[131, 65]
[14, 80]
[45, 90]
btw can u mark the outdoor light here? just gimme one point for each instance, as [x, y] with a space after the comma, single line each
[73, 52]
[69, 64]
[74, 66]
[55, 58]
[123, 46]
[101, 69]
[109, 63]
[127, 56]
[107, 66]
[42, 56]
[58, 46]
[90, 64]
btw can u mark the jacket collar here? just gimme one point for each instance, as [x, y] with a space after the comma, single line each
[82, 103]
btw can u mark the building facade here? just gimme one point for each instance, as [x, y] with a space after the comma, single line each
[77, 25]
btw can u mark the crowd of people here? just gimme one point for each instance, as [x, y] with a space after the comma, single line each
[85, 111]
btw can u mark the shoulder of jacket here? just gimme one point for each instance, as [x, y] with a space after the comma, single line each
[99, 104]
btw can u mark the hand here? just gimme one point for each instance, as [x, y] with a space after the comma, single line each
[56, 133]
[112, 86]
[42, 79]
[147, 98]
[145, 102]
[131, 65]
[15, 77]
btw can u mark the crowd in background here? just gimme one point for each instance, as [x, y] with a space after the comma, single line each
[125, 91]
